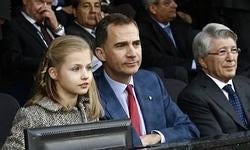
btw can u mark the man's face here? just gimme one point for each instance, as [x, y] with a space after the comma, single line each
[221, 67]
[121, 53]
[164, 11]
[87, 12]
[36, 8]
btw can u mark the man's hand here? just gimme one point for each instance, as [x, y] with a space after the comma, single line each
[186, 17]
[49, 15]
[99, 16]
[150, 139]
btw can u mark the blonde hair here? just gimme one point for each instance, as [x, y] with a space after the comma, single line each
[45, 85]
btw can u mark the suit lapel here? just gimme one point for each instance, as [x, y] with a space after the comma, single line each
[215, 93]
[84, 32]
[30, 29]
[145, 100]
[240, 90]
[112, 106]
[162, 38]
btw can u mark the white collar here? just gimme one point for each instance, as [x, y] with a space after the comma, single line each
[219, 83]
[89, 30]
[120, 87]
[26, 16]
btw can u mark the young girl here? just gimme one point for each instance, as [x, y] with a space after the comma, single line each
[65, 94]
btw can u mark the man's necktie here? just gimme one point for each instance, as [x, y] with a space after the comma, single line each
[235, 102]
[133, 111]
[48, 39]
[167, 29]
[93, 33]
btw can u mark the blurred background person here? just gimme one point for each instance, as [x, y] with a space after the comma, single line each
[166, 40]
[63, 11]
[87, 14]
[31, 31]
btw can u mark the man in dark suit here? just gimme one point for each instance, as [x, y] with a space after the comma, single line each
[157, 119]
[168, 51]
[30, 34]
[87, 14]
[207, 100]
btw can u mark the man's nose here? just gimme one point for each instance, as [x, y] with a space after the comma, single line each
[131, 50]
[174, 4]
[45, 3]
[93, 8]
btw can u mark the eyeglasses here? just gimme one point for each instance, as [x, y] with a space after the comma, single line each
[224, 51]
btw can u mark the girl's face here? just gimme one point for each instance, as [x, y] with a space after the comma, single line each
[74, 76]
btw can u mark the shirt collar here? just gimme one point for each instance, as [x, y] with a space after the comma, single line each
[89, 30]
[219, 83]
[26, 16]
[120, 87]
[163, 25]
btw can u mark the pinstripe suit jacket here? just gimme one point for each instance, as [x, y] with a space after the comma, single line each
[159, 113]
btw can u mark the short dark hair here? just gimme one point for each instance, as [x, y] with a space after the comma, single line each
[115, 19]
[75, 3]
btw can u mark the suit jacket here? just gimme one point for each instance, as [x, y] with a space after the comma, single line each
[24, 49]
[158, 50]
[159, 113]
[208, 107]
[75, 29]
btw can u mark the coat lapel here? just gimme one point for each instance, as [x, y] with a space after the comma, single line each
[30, 29]
[145, 100]
[241, 91]
[162, 37]
[215, 93]
[111, 104]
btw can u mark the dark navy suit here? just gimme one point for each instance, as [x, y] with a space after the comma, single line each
[159, 112]
[75, 29]
[21, 58]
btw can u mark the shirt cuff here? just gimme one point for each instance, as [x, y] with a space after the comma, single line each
[194, 67]
[163, 140]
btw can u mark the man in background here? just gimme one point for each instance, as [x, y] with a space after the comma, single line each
[31, 32]
[166, 40]
[87, 14]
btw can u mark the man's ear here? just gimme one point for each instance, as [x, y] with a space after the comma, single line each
[53, 73]
[152, 8]
[100, 54]
[202, 63]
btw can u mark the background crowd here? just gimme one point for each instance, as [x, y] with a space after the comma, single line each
[130, 48]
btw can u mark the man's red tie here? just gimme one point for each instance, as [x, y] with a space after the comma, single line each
[133, 111]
